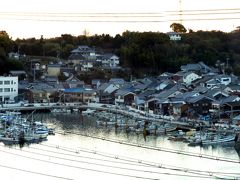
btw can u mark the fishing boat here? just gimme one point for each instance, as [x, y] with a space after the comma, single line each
[40, 131]
[88, 112]
[161, 129]
[9, 140]
[211, 139]
[218, 139]
[60, 110]
[20, 130]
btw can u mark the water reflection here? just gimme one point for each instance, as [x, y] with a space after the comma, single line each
[76, 123]
[73, 129]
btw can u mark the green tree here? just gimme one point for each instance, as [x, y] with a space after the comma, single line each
[51, 49]
[177, 27]
[5, 42]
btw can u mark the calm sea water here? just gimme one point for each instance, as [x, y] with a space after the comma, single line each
[80, 150]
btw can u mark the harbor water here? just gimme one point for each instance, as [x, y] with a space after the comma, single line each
[81, 150]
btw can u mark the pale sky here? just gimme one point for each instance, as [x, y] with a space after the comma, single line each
[51, 18]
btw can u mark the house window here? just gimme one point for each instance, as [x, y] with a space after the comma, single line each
[1, 89]
[6, 89]
[6, 98]
[11, 89]
[11, 82]
[225, 79]
[6, 82]
[1, 82]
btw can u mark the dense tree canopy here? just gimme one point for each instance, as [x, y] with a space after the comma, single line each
[144, 53]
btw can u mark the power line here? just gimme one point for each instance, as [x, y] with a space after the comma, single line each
[145, 163]
[118, 13]
[200, 175]
[33, 172]
[120, 21]
[111, 15]
[161, 149]
[101, 171]
[204, 10]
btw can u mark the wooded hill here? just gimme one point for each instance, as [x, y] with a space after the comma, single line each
[144, 53]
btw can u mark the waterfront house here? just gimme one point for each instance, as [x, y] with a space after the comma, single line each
[124, 97]
[200, 104]
[142, 97]
[163, 106]
[178, 103]
[139, 104]
[155, 105]
[41, 92]
[236, 120]
[78, 94]
[106, 93]
[179, 109]
[230, 109]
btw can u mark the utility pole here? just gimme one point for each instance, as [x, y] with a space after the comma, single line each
[227, 62]
[180, 12]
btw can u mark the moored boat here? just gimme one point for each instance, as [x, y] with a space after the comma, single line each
[218, 139]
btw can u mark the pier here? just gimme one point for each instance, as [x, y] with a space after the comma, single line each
[40, 107]
[126, 111]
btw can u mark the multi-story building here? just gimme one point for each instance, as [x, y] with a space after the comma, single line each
[8, 88]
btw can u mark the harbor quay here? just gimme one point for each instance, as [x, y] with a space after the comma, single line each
[185, 124]
[129, 119]
[126, 111]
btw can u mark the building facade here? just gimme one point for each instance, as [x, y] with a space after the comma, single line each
[8, 88]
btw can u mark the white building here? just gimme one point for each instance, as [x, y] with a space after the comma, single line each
[189, 77]
[109, 59]
[224, 79]
[8, 88]
[174, 36]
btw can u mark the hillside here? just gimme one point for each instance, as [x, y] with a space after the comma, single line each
[144, 53]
